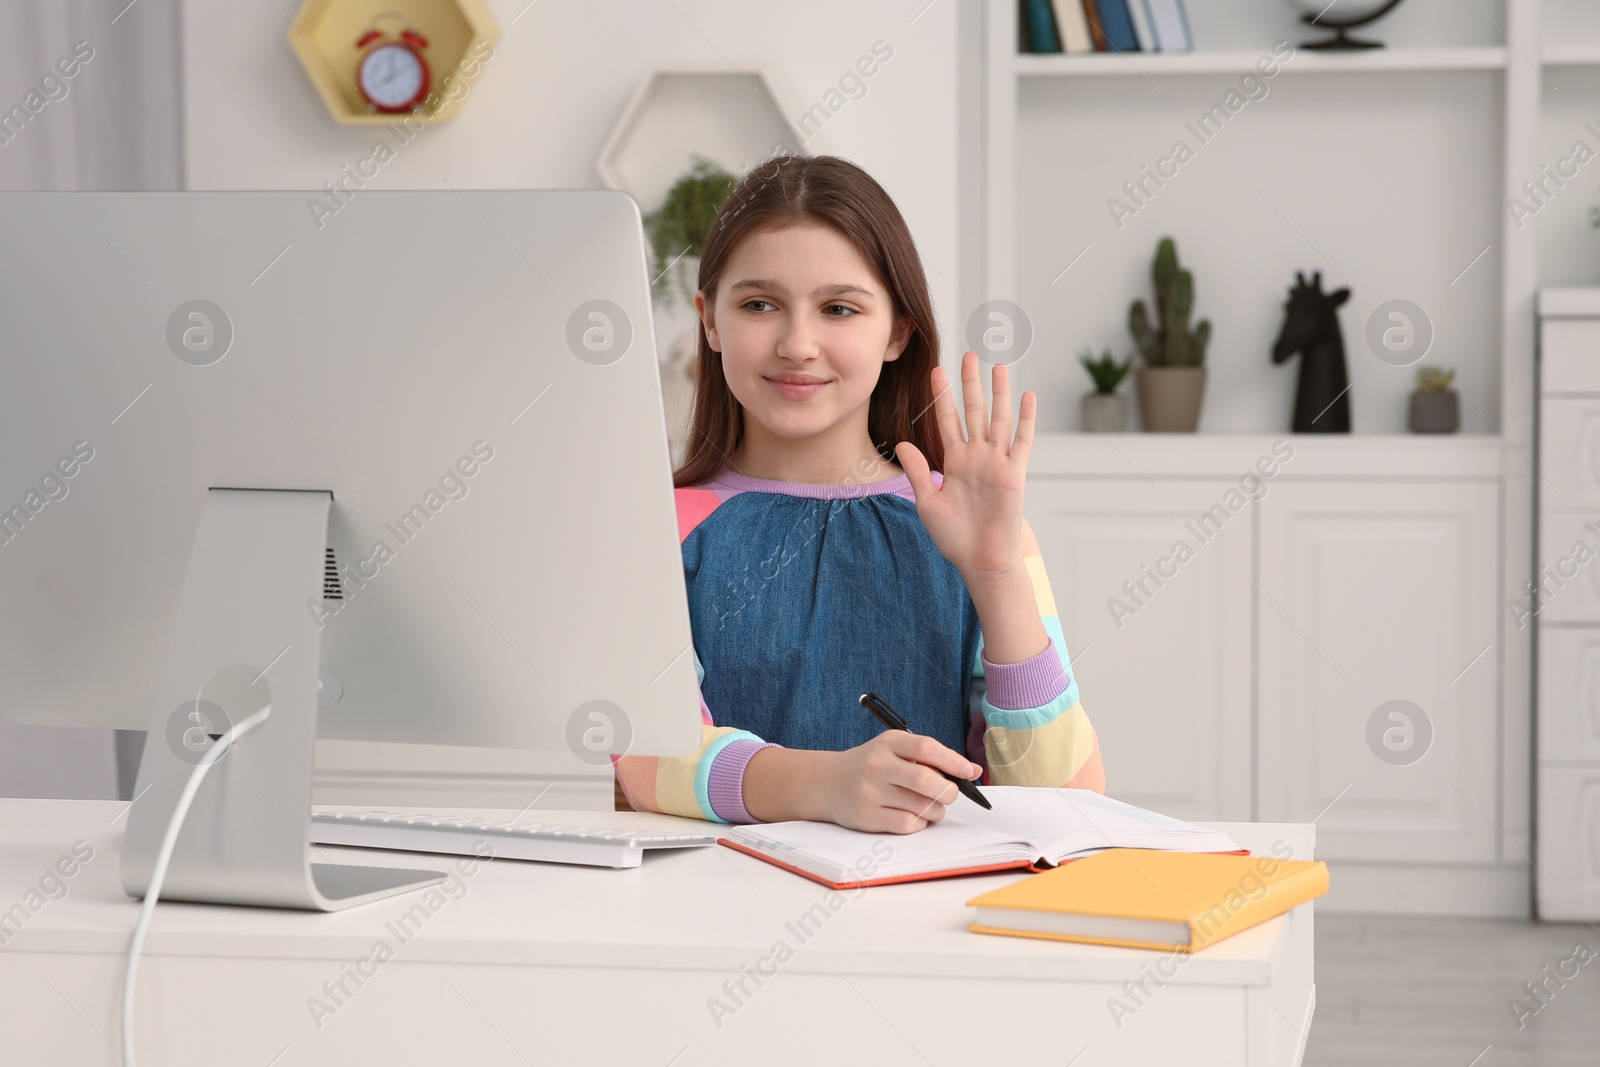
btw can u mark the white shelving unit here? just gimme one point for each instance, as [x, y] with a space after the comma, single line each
[1570, 55]
[1567, 624]
[1232, 62]
[1388, 171]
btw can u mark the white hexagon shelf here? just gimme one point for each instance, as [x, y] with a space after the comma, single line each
[735, 118]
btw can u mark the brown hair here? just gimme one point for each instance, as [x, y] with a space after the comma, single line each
[784, 191]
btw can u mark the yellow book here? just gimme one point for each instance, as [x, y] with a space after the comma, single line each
[1142, 898]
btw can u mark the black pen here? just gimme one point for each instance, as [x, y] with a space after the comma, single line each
[881, 711]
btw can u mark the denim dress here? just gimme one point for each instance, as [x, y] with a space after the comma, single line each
[803, 597]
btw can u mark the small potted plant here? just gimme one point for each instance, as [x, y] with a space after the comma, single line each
[1435, 407]
[1173, 377]
[678, 228]
[1103, 409]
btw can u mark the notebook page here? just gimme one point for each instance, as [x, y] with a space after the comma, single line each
[1063, 823]
[841, 854]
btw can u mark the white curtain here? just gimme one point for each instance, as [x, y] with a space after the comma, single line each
[115, 123]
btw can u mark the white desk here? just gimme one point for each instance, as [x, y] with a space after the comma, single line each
[544, 964]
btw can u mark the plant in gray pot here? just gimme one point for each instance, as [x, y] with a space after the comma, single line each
[1104, 410]
[1173, 377]
[1435, 407]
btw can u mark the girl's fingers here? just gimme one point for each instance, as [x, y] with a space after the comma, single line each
[926, 783]
[1027, 420]
[919, 749]
[915, 465]
[914, 802]
[944, 408]
[1000, 425]
[972, 398]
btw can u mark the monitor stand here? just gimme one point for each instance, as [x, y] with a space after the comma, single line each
[244, 636]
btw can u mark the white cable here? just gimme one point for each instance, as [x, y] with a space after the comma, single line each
[159, 873]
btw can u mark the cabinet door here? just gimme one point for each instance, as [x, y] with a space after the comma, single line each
[1372, 593]
[1569, 452]
[1569, 694]
[1569, 568]
[1568, 356]
[1163, 670]
[1568, 879]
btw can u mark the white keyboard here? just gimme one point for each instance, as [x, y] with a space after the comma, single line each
[454, 835]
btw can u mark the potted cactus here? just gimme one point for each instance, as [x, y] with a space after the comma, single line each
[1103, 409]
[1435, 407]
[1173, 377]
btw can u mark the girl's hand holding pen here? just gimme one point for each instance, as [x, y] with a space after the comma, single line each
[891, 719]
[892, 783]
[975, 517]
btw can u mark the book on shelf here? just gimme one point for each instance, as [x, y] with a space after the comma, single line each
[1073, 26]
[1029, 827]
[1116, 25]
[1091, 14]
[1139, 15]
[1041, 26]
[1170, 25]
[1079, 27]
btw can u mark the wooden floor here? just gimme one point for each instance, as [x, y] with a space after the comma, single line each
[1425, 992]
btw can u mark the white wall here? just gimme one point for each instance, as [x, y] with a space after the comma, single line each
[1569, 247]
[540, 111]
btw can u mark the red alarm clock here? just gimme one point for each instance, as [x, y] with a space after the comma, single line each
[393, 74]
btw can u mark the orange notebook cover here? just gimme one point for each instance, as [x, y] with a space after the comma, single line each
[923, 877]
[1028, 829]
[1145, 899]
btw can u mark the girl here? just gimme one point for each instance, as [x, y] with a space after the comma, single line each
[835, 540]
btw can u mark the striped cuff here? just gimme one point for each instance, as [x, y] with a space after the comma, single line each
[726, 783]
[1033, 683]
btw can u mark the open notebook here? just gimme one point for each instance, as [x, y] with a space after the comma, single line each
[1029, 827]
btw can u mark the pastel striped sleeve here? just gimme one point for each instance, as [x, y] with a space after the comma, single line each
[707, 785]
[710, 783]
[1031, 725]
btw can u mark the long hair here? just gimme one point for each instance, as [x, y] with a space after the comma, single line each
[833, 192]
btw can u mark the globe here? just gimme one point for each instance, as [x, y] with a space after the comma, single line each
[1339, 16]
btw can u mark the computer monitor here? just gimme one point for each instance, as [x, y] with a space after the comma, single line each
[393, 461]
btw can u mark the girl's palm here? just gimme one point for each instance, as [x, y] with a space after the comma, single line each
[975, 517]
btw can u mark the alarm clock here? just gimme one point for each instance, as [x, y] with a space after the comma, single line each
[393, 74]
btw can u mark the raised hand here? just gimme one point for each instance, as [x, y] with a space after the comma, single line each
[975, 517]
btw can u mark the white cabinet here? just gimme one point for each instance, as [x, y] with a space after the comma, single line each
[1233, 665]
[1569, 450]
[1162, 663]
[1569, 771]
[1569, 694]
[1373, 592]
[1567, 606]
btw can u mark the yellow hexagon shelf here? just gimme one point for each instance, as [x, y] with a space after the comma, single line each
[433, 51]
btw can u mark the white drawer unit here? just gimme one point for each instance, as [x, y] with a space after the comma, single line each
[1241, 609]
[1575, 344]
[1569, 442]
[1569, 688]
[1569, 565]
[1567, 708]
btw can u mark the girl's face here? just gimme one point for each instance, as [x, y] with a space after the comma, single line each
[804, 329]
